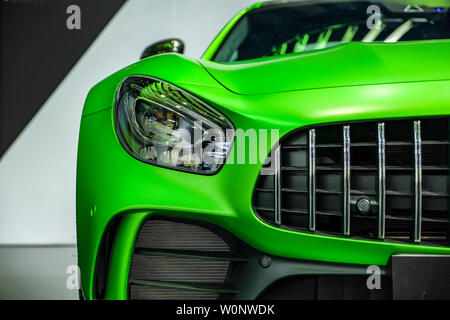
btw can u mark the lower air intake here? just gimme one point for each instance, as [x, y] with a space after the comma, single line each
[178, 260]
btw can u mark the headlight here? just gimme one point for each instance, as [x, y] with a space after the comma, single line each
[166, 126]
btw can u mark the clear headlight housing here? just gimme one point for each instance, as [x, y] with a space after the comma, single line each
[163, 125]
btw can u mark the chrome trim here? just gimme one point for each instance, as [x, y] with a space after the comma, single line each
[312, 179]
[346, 150]
[417, 182]
[381, 182]
[277, 185]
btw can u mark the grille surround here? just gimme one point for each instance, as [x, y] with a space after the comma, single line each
[296, 194]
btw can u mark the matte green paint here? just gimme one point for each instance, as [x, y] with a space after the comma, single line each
[115, 183]
[347, 64]
[122, 253]
[180, 69]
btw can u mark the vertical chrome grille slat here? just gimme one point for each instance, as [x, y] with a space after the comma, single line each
[277, 185]
[417, 182]
[346, 151]
[381, 182]
[312, 179]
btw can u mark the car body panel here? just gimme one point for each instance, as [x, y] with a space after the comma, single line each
[187, 70]
[115, 183]
[348, 64]
[349, 82]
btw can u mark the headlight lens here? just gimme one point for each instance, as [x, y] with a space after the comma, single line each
[163, 125]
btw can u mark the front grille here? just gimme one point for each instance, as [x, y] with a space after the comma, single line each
[376, 180]
[179, 260]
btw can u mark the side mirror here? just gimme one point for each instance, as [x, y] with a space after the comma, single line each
[164, 46]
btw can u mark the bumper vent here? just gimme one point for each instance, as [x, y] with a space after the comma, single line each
[371, 180]
[178, 260]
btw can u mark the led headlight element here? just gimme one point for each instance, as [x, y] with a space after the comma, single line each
[166, 126]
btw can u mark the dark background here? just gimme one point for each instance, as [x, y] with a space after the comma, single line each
[38, 50]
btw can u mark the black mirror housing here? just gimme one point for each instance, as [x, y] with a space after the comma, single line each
[164, 46]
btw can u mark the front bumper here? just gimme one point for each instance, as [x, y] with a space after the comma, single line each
[111, 183]
[256, 275]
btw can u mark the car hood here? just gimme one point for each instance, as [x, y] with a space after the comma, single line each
[348, 64]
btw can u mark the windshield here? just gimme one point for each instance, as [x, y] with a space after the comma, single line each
[284, 28]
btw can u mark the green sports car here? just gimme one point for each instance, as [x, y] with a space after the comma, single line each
[304, 156]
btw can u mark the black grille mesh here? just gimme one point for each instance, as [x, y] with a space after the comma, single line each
[163, 234]
[178, 269]
[315, 192]
[178, 260]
